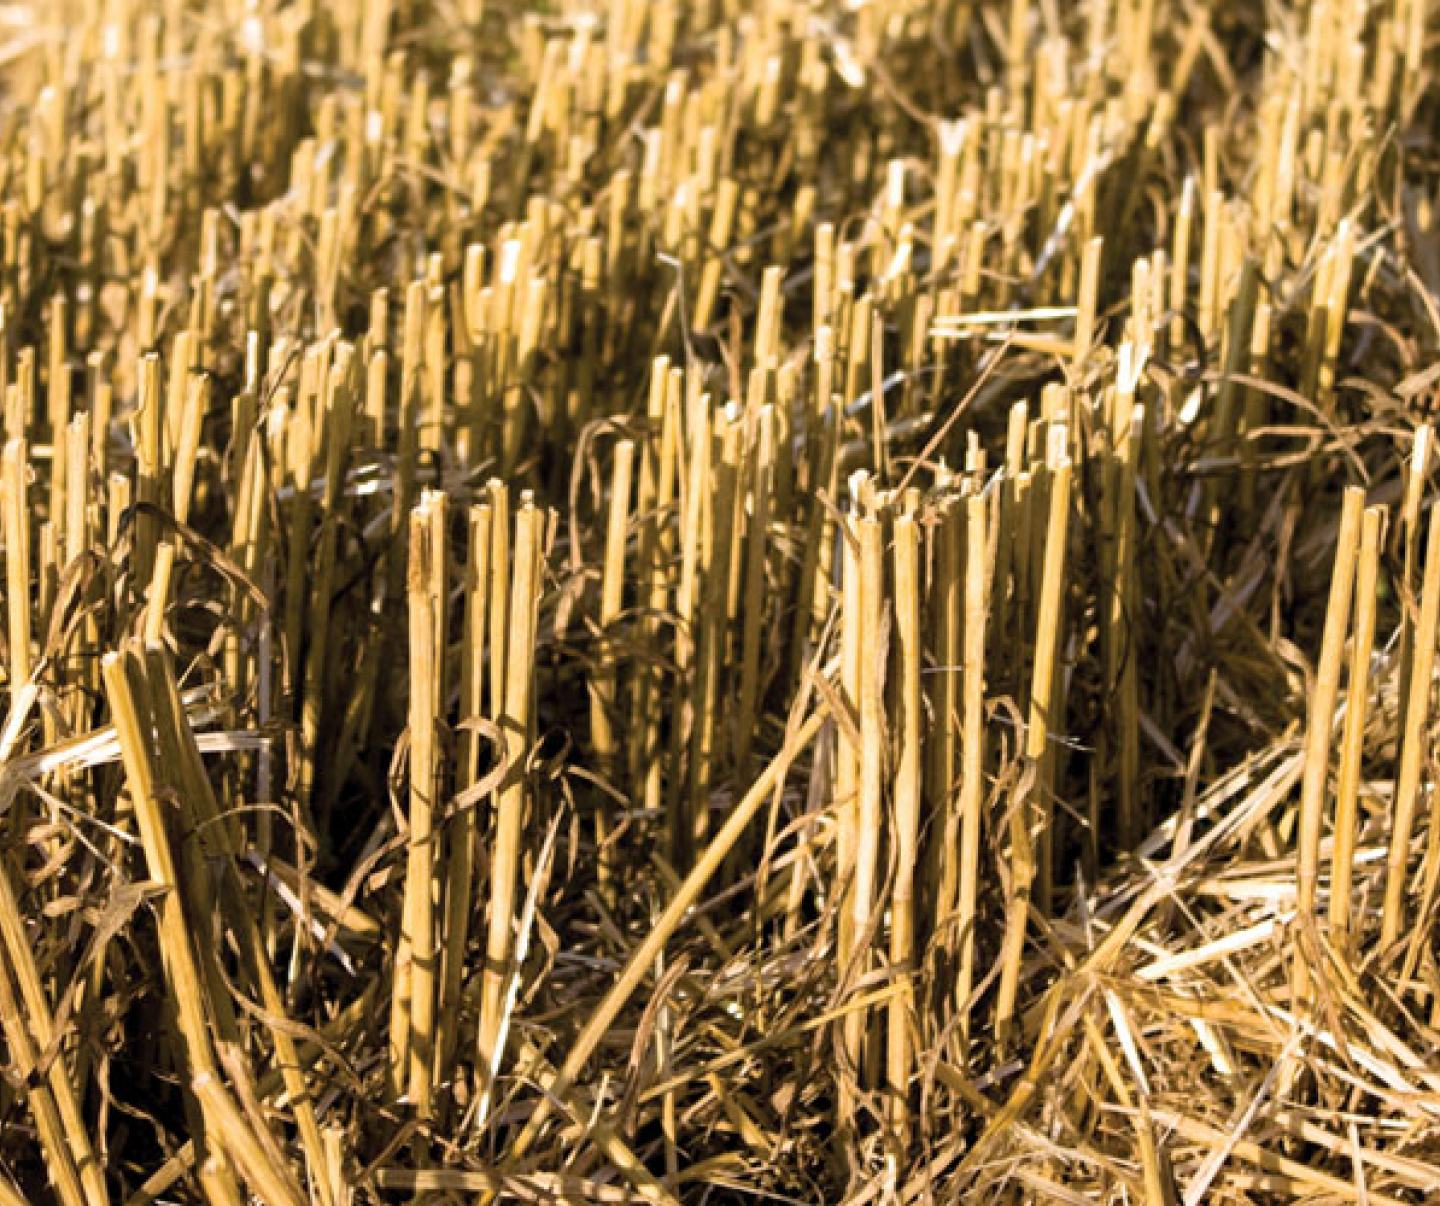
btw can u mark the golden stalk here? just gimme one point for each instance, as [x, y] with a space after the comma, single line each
[603, 686]
[510, 805]
[972, 753]
[1321, 721]
[1030, 812]
[898, 1048]
[1416, 715]
[412, 1026]
[461, 841]
[1357, 705]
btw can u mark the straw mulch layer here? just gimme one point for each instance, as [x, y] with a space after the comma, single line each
[694, 601]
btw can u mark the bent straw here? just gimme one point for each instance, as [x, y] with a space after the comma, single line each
[642, 958]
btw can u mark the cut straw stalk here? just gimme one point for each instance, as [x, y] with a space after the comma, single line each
[847, 755]
[604, 682]
[1030, 813]
[655, 497]
[510, 804]
[753, 609]
[972, 748]
[945, 606]
[1412, 741]
[413, 1004]
[1321, 722]
[15, 526]
[1415, 474]
[1119, 633]
[720, 547]
[695, 494]
[898, 1047]
[462, 838]
[338, 402]
[1357, 705]
[869, 812]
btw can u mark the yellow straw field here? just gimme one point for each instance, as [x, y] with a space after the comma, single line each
[697, 601]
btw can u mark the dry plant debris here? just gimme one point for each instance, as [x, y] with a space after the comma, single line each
[705, 601]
